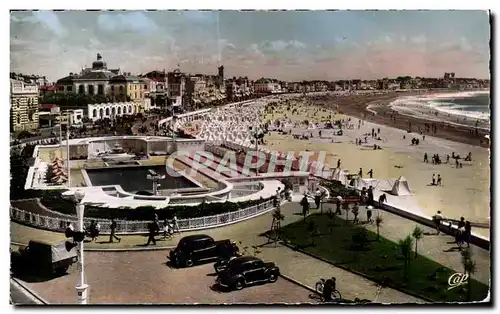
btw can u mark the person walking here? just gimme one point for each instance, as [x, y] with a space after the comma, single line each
[437, 221]
[112, 228]
[468, 233]
[369, 214]
[305, 206]
[175, 225]
[439, 179]
[355, 211]
[370, 195]
[153, 230]
[317, 198]
[370, 173]
[338, 204]
[339, 163]
[426, 158]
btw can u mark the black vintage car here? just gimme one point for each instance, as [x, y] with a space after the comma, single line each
[245, 271]
[200, 248]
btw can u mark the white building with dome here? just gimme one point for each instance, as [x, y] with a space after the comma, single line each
[91, 81]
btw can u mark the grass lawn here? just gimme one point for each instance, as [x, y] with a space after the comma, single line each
[381, 260]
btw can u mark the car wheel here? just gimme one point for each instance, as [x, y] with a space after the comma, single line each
[189, 262]
[272, 277]
[239, 285]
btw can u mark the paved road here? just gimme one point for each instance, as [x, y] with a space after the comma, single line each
[144, 277]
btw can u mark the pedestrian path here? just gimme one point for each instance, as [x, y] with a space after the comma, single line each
[440, 248]
[299, 266]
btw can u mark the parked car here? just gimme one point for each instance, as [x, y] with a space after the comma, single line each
[43, 257]
[201, 248]
[245, 271]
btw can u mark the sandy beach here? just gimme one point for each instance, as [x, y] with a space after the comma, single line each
[464, 192]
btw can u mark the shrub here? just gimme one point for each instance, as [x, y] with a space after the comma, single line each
[336, 188]
[54, 201]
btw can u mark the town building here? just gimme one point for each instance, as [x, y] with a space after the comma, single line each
[90, 81]
[126, 87]
[158, 95]
[267, 86]
[24, 106]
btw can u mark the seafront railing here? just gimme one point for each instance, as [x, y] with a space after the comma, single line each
[140, 227]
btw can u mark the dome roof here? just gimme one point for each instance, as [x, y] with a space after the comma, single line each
[99, 63]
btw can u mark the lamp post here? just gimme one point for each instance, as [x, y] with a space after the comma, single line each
[82, 288]
[257, 134]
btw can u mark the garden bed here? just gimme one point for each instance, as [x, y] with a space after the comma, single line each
[336, 188]
[337, 242]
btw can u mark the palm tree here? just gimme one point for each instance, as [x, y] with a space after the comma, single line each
[378, 221]
[405, 246]
[418, 233]
[469, 268]
[312, 227]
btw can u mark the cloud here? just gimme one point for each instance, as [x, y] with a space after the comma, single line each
[288, 45]
[135, 21]
[50, 20]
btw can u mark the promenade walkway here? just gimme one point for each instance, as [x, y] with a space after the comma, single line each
[296, 265]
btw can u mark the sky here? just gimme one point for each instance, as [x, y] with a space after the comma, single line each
[293, 45]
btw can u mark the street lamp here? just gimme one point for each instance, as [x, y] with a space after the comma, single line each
[78, 237]
[155, 177]
[257, 134]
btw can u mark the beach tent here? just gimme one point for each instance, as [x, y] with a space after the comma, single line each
[401, 187]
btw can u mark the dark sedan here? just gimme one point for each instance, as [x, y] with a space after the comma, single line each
[246, 271]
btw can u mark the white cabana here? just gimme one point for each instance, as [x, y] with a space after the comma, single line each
[401, 187]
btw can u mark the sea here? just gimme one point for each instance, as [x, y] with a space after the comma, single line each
[475, 105]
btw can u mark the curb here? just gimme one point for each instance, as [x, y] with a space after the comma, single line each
[131, 249]
[357, 273]
[298, 283]
[29, 293]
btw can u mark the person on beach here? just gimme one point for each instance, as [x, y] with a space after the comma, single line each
[439, 179]
[447, 158]
[338, 163]
[360, 173]
[433, 179]
[370, 173]
[437, 221]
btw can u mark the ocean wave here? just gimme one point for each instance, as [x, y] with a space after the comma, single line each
[434, 102]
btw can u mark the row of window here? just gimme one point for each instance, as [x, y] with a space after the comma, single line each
[113, 111]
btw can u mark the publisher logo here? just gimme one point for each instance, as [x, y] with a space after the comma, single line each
[456, 280]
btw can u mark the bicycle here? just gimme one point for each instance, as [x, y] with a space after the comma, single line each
[319, 289]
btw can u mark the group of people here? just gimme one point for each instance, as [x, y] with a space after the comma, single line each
[463, 232]
[169, 228]
[438, 181]
[436, 160]
[370, 173]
